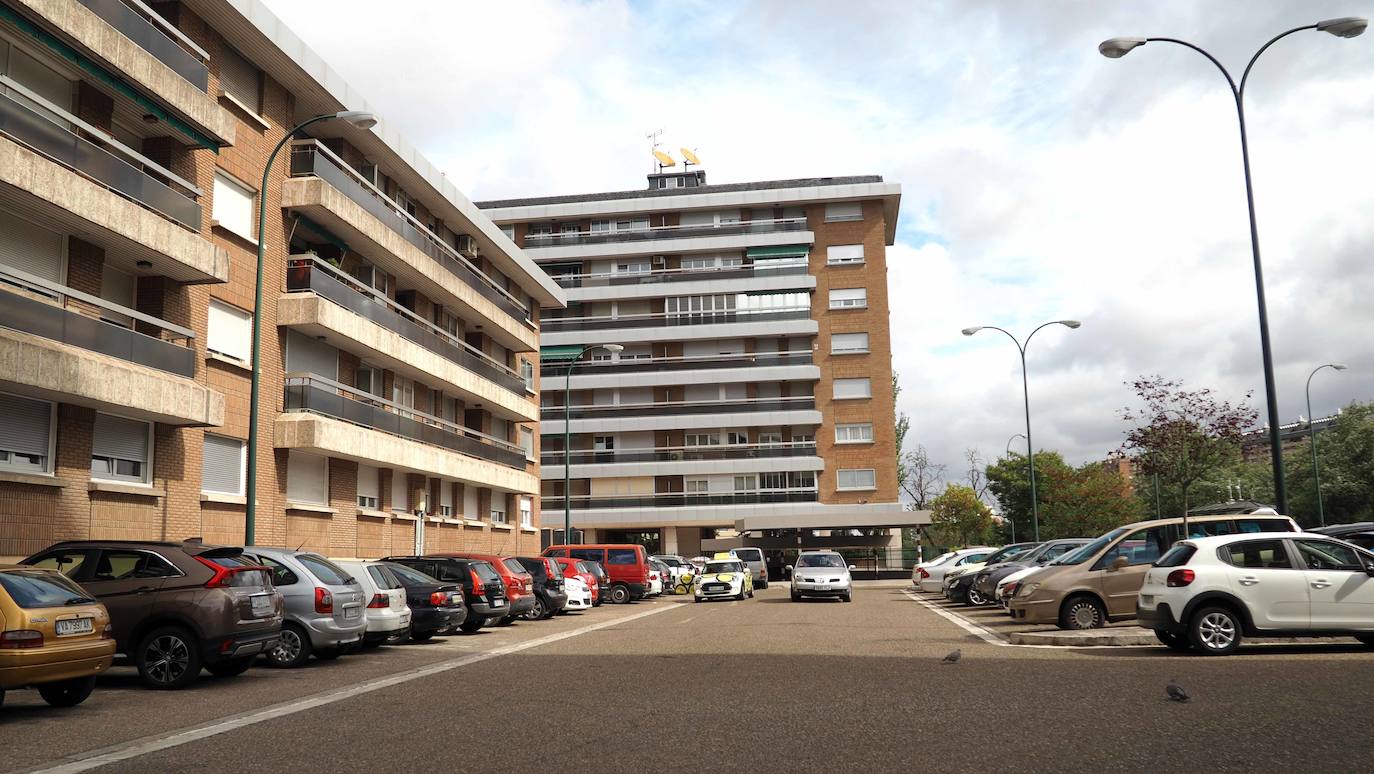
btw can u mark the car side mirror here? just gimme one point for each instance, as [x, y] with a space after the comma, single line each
[852, 567]
[1369, 570]
[788, 568]
[1118, 563]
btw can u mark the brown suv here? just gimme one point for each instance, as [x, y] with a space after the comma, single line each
[1089, 586]
[176, 607]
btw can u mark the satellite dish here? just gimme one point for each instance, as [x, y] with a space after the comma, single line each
[664, 160]
[691, 157]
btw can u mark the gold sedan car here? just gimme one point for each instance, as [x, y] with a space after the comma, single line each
[54, 635]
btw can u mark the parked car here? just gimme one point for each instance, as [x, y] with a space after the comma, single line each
[1099, 582]
[482, 586]
[549, 594]
[435, 605]
[176, 608]
[583, 571]
[1207, 594]
[677, 567]
[602, 593]
[54, 635]
[1360, 533]
[958, 581]
[985, 583]
[754, 561]
[821, 574]
[387, 614]
[931, 578]
[324, 606]
[658, 573]
[579, 595]
[724, 579]
[925, 565]
[520, 596]
[626, 564]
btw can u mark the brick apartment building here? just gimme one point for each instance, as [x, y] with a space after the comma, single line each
[753, 395]
[399, 325]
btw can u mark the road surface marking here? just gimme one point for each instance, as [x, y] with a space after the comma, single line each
[139, 747]
[993, 638]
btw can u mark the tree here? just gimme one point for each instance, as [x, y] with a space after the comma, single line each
[1345, 451]
[1183, 436]
[977, 473]
[960, 517]
[1009, 482]
[923, 478]
[902, 424]
[1085, 502]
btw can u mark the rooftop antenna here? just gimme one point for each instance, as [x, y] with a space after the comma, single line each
[662, 159]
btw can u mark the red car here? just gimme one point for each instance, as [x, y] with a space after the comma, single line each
[627, 564]
[519, 583]
[573, 568]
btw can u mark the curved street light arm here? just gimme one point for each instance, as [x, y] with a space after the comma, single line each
[1229, 80]
[1246, 75]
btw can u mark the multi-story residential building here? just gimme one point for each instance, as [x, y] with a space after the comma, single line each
[399, 325]
[754, 390]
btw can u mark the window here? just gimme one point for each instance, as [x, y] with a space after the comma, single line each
[25, 434]
[1255, 555]
[1263, 525]
[622, 556]
[772, 481]
[603, 442]
[509, 231]
[842, 255]
[403, 391]
[281, 574]
[326, 571]
[767, 437]
[119, 449]
[224, 460]
[32, 249]
[701, 439]
[1143, 546]
[745, 484]
[803, 479]
[844, 211]
[1322, 555]
[230, 332]
[68, 561]
[526, 512]
[368, 487]
[232, 206]
[849, 298]
[846, 389]
[400, 492]
[129, 565]
[240, 79]
[863, 478]
[527, 442]
[1177, 556]
[446, 499]
[698, 486]
[848, 343]
[737, 438]
[307, 478]
[859, 432]
[498, 510]
[369, 380]
[118, 288]
[527, 373]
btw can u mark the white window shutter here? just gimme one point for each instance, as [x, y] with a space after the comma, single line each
[307, 478]
[30, 248]
[229, 331]
[367, 481]
[232, 206]
[844, 254]
[400, 492]
[853, 388]
[223, 463]
[120, 438]
[27, 425]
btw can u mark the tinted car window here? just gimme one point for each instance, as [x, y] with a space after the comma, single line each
[1176, 556]
[1263, 525]
[38, 589]
[127, 565]
[1056, 551]
[622, 556]
[748, 554]
[323, 569]
[410, 576]
[1257, 555]
[281, 574]
[1143, 546]
[1363, 539]
[594, 554]
[382, 577]
[485, 571]
[515, 567]
[1321, 555]
[66, 562]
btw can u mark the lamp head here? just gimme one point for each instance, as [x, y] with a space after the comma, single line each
[1069, 323]
[1339, 366]
[1344, 27]
[358, 118]
[971, 331]
[613, 348]
[1115, 48]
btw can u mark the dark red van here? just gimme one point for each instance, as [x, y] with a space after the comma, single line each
[627, 565]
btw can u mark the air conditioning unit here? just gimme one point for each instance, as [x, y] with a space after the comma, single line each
[467, 245]
[660, 260]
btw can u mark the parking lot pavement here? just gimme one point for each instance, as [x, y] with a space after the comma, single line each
[767, 684]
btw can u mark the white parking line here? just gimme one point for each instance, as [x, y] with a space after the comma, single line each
[991, 637]
[133, 749]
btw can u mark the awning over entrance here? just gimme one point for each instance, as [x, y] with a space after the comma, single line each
[779, 251]
[565, 352]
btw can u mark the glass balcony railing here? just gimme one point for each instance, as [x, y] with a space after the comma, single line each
[153, 34]
[49, 320]
[612, 279]
[555, 370]
[309, 157]
[315, 275]
[534, 241]
[679, 499]
[683, 453]
[318, 395]
[669, 319]
[26, 125]
[672, 408]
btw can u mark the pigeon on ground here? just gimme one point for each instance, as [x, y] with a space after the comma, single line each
[952, 658]
[1175, 692]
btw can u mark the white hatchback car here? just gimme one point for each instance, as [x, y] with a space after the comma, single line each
[1208, 593]
[579, 596]
[931, 578]
[387, 613]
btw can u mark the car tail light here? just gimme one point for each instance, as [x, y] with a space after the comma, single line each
[223, 577]
[379, 602]
[1011, 589]
[922, 572]
[21, 639]
[439, 598]
[1180, 578]
[108, 632]
[324, 601]
[478, 590]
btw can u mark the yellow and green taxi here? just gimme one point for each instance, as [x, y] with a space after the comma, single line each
[54, 635]
[723, 579]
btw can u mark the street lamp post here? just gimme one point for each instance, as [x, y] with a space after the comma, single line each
[1013, 438]
[1346, 27]
[1025, 388]
[361, 120]
[567, 435]
[1312, 430]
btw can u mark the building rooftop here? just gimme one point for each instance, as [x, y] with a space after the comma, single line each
[650, 193]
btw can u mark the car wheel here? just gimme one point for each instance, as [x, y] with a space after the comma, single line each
[1215, 631]
[1173, 640]
[231, 668]
[293, 649]
[975, 597]
[537, 612]
[1082, 612]
[168, 659]
[469, 626]
[848, 597]
[763, 586]
[620, 594]
[67, 693]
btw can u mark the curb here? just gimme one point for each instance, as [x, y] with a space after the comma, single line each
[1134, 637]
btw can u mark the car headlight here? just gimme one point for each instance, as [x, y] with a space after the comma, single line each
[1027, 590]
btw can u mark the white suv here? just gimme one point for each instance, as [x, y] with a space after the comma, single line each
[1207, 593]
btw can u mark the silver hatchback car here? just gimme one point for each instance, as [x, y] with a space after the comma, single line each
[324, 606]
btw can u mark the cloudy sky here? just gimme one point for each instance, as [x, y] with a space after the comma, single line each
[1040, 180]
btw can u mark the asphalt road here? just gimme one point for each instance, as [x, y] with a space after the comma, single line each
[762, 685]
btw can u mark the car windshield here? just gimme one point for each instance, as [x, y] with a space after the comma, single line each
[1005, 553]
[724, 566]
[1090, 550]
[820, 560]
[38, 589]
[409, 575]
[1035, 553]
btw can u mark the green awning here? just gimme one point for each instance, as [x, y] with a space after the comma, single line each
[564, 352]
[779, 251]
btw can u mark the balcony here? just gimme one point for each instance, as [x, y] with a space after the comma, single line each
[557, 369]
[614, 279]
[316, 276]
[309, 158]
[318, 395]
[534, 241]
[153, 34]
[553, 324]
[680, 408]
[683, 454]
[679, 499]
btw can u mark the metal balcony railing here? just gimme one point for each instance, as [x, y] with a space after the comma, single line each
[684, 453]
[49, 320]
[109, 163]
[155, 35]
[312, 274]
[310, 157]
[661, 319]
[534, 241]
[611, 279]
[680, 499]
[559, 368]
[671, 408]
[318, 395]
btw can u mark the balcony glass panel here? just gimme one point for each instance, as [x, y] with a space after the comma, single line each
[669, 408]
[140, 29]
[549, 368]
[681, 275]
[683, 453]
[678, 499]
[664, 232]
[660, 319]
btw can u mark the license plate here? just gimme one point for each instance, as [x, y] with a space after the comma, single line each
[75, 626]
[352, 612]
[262, 605]
[498, 602]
